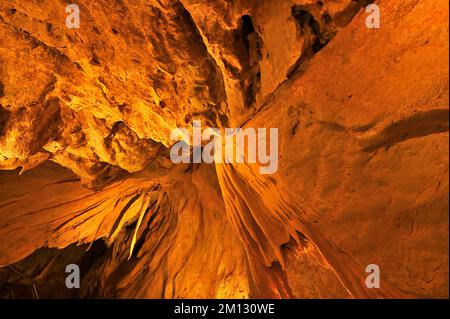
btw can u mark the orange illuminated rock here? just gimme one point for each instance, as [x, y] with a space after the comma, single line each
[86, 117]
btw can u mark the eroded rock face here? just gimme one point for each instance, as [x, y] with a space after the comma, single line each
[85, 121]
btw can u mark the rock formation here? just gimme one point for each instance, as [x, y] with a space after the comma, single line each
[86, 116]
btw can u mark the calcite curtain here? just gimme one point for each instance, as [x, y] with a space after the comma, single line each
[86, 116]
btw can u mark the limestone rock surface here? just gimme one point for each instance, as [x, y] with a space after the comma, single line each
[86, 116]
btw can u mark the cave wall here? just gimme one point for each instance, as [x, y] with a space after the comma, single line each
[85, 122]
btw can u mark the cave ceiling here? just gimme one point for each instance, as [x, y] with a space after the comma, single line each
[86, 176]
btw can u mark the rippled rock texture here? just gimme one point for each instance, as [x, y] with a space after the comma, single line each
[85, 174]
